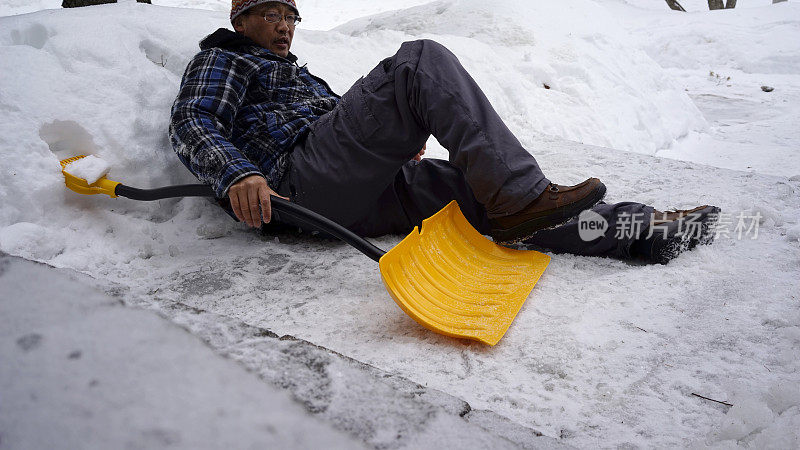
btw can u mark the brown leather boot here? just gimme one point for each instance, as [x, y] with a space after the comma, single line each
[556, 205]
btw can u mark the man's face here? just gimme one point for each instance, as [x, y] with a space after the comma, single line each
[275, 37]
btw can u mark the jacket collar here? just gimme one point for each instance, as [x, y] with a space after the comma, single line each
[230, 40]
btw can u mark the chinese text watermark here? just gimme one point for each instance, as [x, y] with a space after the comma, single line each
[743, 225]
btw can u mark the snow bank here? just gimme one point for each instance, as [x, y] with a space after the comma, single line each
[752, 40]
[560, 68]
[721, 59]
[71, 87]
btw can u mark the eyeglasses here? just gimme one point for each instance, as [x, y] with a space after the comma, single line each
[291, 19]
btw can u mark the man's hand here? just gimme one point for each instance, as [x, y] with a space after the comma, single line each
[421, 152]
[250, 200]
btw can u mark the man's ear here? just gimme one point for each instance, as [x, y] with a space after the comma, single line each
[238, 24]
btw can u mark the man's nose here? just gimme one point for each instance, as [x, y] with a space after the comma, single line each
[283, 24]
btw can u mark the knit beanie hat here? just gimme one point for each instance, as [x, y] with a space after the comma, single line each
[240, 6]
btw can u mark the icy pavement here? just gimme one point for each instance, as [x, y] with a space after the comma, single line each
[80, 370]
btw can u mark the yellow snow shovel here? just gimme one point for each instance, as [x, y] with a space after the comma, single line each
[447, 277]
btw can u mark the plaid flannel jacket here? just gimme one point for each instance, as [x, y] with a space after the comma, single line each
[241, 108]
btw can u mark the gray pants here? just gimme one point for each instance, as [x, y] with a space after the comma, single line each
[354, 166]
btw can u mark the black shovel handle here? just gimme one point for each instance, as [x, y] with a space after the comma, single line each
[279, 204]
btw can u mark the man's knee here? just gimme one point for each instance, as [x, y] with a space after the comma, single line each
[419, 49]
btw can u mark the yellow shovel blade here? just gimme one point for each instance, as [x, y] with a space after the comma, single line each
[452, 280]
[79, 185]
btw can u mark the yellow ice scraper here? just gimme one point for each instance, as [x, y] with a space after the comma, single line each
[446, 276]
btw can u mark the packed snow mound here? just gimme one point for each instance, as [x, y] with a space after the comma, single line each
[70, 87]
[562, 68]
[752, 40]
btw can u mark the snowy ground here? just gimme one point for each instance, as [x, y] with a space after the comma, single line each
[604, 353]
[722, 68]
[71, 379]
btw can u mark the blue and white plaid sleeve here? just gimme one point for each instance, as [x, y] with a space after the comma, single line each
[211, 92]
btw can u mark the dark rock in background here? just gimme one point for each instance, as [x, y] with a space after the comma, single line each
[79, 3]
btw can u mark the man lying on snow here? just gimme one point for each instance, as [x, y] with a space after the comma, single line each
[252, 123]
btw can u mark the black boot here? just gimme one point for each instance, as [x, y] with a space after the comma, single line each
[674, 232]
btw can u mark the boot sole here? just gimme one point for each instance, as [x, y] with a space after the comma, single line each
[708, 218]
[682, 242]
[558, 216]
[674, 247]
[708, 229]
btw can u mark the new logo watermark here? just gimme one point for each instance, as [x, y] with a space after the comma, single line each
[591, 225]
